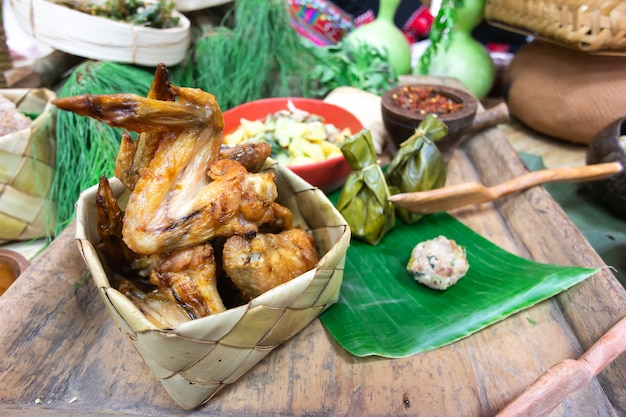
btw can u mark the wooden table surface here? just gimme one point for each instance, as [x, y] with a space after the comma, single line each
[60, 354]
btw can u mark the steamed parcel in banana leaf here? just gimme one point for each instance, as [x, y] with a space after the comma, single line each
[364, 199]
[418, 165]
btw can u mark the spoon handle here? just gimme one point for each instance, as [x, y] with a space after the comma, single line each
[551, 388]
[582, 173]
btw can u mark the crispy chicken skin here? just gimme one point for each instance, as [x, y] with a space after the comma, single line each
[190, 274]
[268, 260]
[159, 305]
[185, 195]
[109, 222]
[134, 155]
[252, 154]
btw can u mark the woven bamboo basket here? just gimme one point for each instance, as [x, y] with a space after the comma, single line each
[27, 167]
[594, 26]
[195, 360]
[100, 38]
[190, 5]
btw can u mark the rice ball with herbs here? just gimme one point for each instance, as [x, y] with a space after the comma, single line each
[438, 263]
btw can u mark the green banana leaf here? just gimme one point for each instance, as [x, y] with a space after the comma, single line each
[363, 201]
[382, 311]
[418, 165]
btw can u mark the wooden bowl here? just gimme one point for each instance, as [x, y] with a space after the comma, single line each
[12, 264]
[607, 147]
[327, 175]
[401, 122]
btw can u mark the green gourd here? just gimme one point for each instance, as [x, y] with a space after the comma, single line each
[465, 58]
[383, 34]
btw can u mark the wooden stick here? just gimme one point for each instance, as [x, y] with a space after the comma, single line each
[551, 388]
[458, 195]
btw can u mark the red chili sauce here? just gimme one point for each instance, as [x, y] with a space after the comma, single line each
[423, 100]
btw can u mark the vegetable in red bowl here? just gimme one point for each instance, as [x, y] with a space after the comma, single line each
[304, 134]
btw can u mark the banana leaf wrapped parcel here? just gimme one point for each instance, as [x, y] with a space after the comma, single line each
[418, 165]
[363, 201]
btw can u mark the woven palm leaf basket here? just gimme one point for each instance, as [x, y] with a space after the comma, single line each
[191, 5]
[27, 168]
[100, 38]
[196, 359]
[594, 26]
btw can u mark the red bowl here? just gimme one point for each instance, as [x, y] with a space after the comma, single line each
[327, 175]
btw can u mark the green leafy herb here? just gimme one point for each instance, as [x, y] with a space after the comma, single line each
[441, 32]
[360, 65]
[260, 55]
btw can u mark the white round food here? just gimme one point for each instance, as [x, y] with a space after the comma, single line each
[438, 263]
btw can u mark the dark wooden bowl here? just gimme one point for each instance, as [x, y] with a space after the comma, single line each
[401, 123]
[606, 147]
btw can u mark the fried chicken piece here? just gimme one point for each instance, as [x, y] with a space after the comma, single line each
[135, 155]
[251, 154]
[234, 202]
[159, 305]
[268, 260]
[185, 196]
[109, 222]
[190, 275]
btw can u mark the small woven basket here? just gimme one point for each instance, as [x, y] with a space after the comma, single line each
[99, 38]
[198, 358]
[191, 5]
[594, 26]
[27, 168]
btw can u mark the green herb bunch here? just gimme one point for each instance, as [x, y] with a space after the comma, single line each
[359, 65]
[254, 53]
[441, 32]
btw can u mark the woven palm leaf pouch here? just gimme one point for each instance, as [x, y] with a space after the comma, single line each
[198, 358]
[27, 167]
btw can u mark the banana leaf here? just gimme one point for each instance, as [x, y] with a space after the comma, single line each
[418, 165]
[363, 201]
[382, 311]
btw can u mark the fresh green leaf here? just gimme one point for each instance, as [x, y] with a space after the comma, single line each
[383, 311]
[361, 66]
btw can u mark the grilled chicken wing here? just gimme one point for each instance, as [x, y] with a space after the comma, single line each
[175, 204]
[268, 260]
[159, 305]
[190, 275]
[135, 155]
[109, 222]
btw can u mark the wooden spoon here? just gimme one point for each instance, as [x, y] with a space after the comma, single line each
[458, 195]
[551, 388]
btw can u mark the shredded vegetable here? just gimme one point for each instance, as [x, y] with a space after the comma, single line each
[295, 136]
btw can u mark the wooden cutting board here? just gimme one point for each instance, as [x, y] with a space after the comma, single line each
[60, 353]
